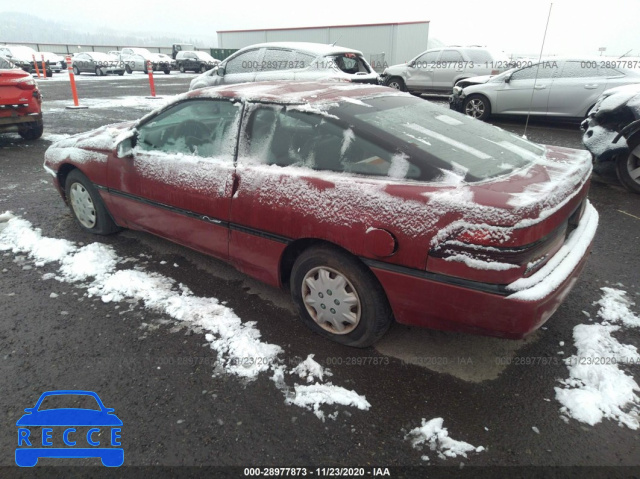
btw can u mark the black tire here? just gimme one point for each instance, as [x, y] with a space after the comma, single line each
[477, 106]
[397, 83]
[627, 163]
[128, 69]
[99, 72]
[103, 223]
[76, 71]
[31, 131]
[49, 73]
[121, 73]
[167, 72]
[181, 68]
[203, 68]
[374, 315]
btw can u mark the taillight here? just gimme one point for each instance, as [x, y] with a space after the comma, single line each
[27, 84]
[495, 72]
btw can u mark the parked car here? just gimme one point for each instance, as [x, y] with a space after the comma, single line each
[612, 132]
[55, 61]
[20, 102]
[289, 61]
[135, 59]
[440, 69]
[22, 57]
[553, 88]
[194, 60]
[97, 62]
[178, 47]
[367, 203]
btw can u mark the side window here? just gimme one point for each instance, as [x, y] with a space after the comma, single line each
[609, 72]
[245, 63]
[450, 56]
[576, 69]
[276, 59]
[427, 59]
[280, 137]
[545, 71]
[205, 128]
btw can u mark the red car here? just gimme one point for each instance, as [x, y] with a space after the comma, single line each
[20, 102]
[370, 204]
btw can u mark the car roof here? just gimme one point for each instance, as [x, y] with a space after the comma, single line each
[295, 92]
[307, 47]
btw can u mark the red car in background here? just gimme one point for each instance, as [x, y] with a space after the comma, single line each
[369, 204]
[20, 102]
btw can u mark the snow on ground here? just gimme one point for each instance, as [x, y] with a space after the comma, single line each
[598, 387]
[140, 102]
[432, 433]
[239, 347]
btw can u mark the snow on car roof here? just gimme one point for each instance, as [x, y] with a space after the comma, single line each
[296, 92]
[315, 48]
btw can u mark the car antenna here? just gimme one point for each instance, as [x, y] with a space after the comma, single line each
[624, 54]
[334, 43]
[535, 80]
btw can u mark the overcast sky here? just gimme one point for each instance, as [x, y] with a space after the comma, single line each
[516, 26]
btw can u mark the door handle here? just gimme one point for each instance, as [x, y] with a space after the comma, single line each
[540, 87]
[591, 86]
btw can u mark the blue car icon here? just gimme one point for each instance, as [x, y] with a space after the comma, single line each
[100, 420]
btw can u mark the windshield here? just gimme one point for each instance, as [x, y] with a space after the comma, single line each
[204, 56]
[437, 138]
[6, 64]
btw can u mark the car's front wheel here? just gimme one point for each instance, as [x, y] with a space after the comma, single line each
[397, 83]
[76, 71]
[339, 298]
[87, 206]
[203, 68]
[99, 72]
[167, 72]
[181, 68]
[477, 106]
[628, 169]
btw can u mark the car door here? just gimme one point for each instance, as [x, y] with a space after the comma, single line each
[243, 67]
[526, 90]
[177, 181]
[450, 65]
[420, 73]
[576, 89]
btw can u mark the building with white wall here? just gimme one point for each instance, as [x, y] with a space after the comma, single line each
[382, 44]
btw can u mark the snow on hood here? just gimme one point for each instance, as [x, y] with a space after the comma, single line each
[619, 96]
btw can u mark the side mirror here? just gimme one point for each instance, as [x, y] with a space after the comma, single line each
[507, 79]
[220, 70]
[125, 147]
[412, 64]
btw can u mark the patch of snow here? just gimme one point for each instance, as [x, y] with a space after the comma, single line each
[597, 388]
[311, 370]
[479, 264]
[313, 396]
[432, 433]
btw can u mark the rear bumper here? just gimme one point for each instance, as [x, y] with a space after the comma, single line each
[525, 306]
[8, 123]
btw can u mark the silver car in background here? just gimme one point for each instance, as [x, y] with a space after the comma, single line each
[554, 87]
[289, 61]
[439, 69]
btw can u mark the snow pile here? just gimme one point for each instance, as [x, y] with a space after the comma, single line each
[597, 388]
[437, 438]
[240, 350]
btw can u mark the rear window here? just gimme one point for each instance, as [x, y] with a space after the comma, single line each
[437, 138]
[350, 63]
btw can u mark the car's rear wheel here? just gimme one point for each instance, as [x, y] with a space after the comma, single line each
[203, 68]
[128, 69]
[76, 71]
[31, 131]
[628, 169]
[397, 83]
[99, 72]
[167, 72]
[87, 206]
[339, 298]
[181, 68]
[477, 106]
